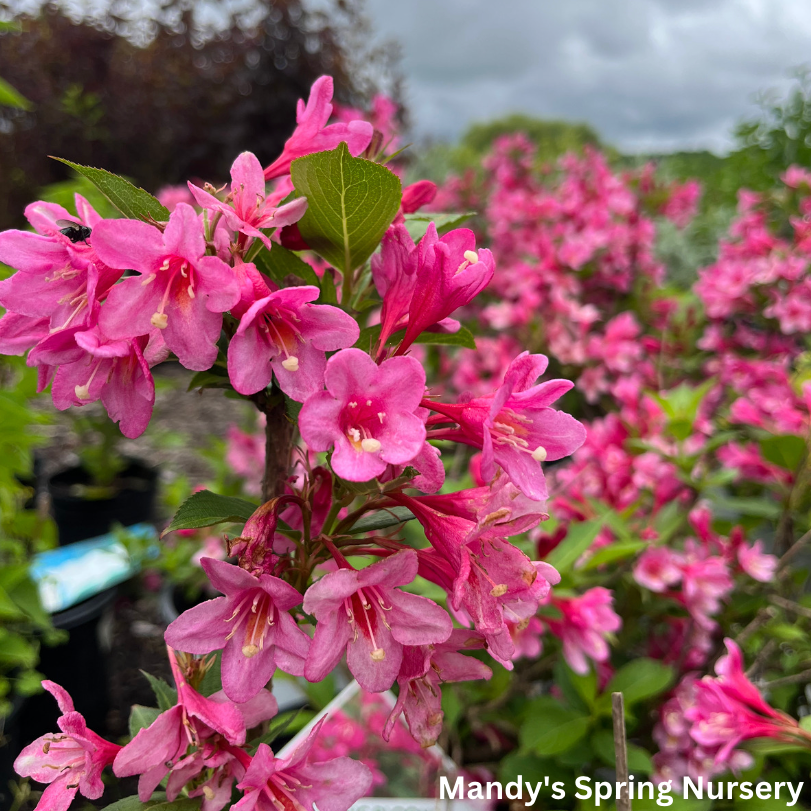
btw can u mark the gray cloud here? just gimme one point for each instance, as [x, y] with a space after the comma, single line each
[648, 74]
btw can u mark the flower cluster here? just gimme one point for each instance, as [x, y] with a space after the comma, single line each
[96, 303]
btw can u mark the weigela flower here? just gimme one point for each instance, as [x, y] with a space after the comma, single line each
[294, 783]
[249, 209]
[117, 372]
[56, 278]
[180, 291]
[282, 333]
[70, 761]
[585, 622]
[362, 613]
[314, 135]
[449, 274]
[204, 725]
[251, 624]
[729, 709]
[514, 427]
[367, 414]
[424, 669]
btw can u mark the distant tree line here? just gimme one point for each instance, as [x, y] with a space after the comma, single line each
[164, 100]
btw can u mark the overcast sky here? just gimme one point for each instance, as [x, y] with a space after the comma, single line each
[650, 75]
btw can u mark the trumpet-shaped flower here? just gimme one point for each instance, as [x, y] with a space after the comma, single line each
[195, 722]
[585, 622]
[249, 208]
[515, 427]
[70, 761]
[423, 671]
[294, 783]
[284, 334]
[363, 613]
[251, 625]
[314, 135]
[367, 414]
[180, 291]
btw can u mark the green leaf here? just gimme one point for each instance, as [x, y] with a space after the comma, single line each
[550, 729]
[578, 539]
[785, 450]
[158, 802]
[464, 337]
[142, 717]
[639, 761]
[638, 680]
[9, 97]
[734, 507]
[166, 695]
[131, 201]
[417, 224]
[615, 552]
[204, 509]
[369, 336]
[210, 379]
[805, 723]
[380, 520]
[350, 204]
[280, 263]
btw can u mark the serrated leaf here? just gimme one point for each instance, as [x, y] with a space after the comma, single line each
[166, 695]
[786, 450]
[158, 802]
[204, 509]
[131, 201]
[550, 729]
[381, 520]
[10, 97]
[578, 539]
[141, 717]
[350, 204]
[279, 263]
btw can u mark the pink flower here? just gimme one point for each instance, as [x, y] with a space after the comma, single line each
[117, 372]
[294, 783]
[367, 414]
[19, 333]
[56, 278]
[251, 625]
[250, 210]
[489, 580]
[362, 613]
[206, 725]
[180, 291]
[729, 709]
[283, 334]
[70, 761]
[582, 629]
[423, 670]
[515, 427]
[449, 274]
[658, 568]
[755, 563]
[312, 133]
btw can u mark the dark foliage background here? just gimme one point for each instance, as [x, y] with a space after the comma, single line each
[167, 100]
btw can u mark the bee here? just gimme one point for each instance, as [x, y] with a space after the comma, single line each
[74, 231]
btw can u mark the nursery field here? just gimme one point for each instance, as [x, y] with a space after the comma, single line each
[357, 472]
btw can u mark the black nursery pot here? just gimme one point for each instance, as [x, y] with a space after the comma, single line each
[131, 501]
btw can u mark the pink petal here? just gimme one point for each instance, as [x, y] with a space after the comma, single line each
[202, 628]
